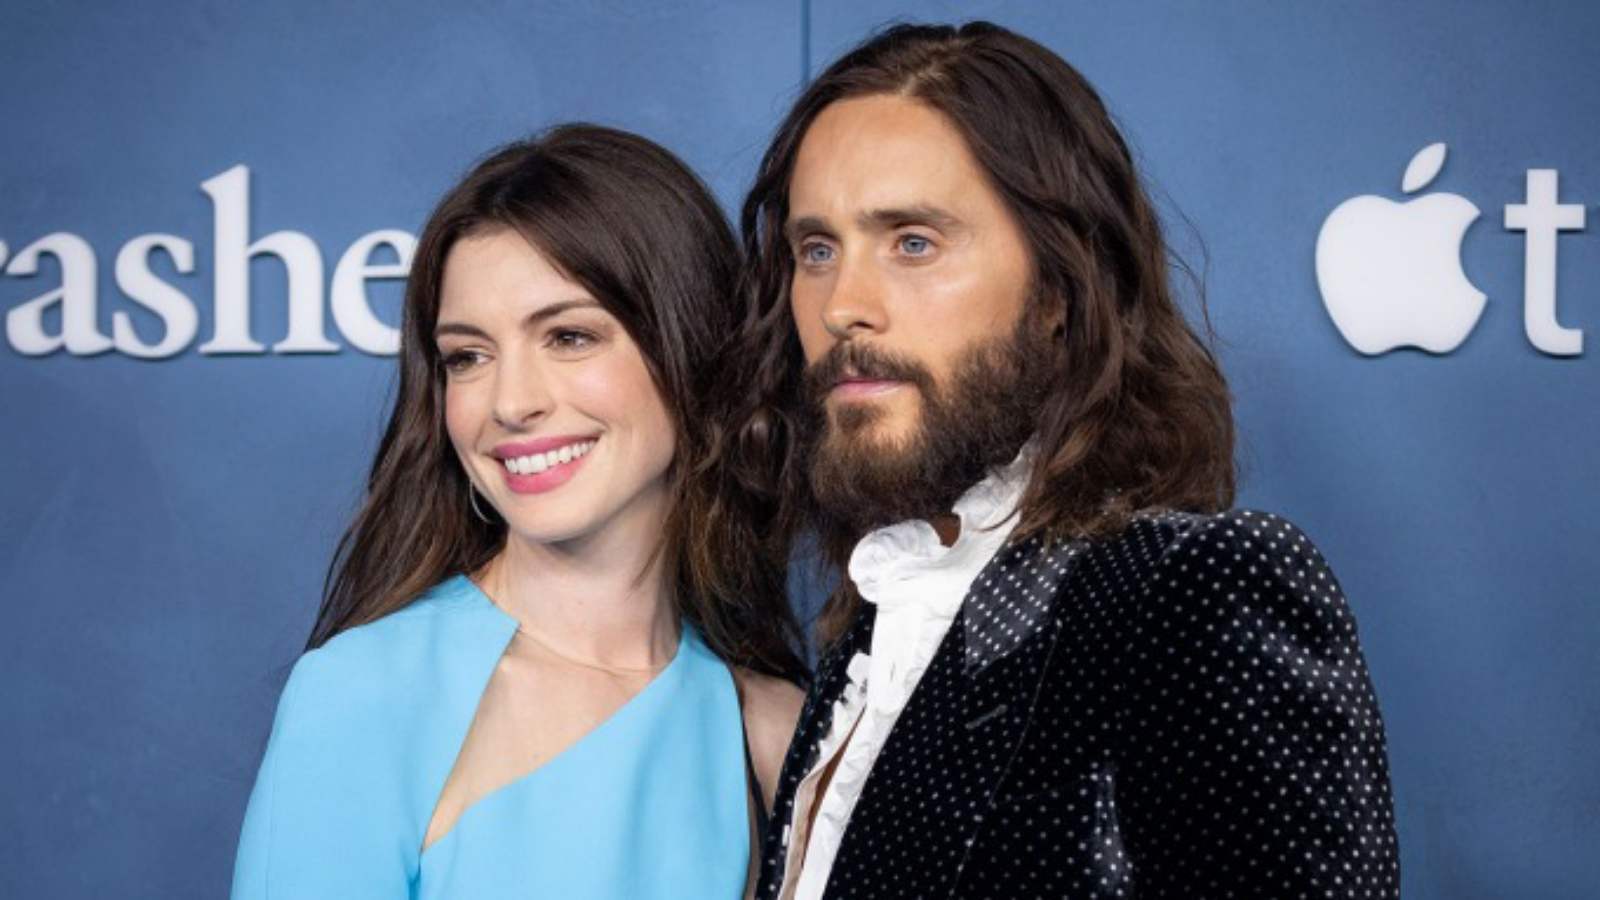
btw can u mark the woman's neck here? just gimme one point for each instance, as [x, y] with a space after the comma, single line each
[602, 598]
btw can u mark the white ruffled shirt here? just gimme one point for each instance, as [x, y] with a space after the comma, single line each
[917, 584]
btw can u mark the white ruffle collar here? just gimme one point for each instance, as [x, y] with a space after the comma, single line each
[905, 550]
[917, 585]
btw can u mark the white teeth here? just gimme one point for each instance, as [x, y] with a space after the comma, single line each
[535, 463]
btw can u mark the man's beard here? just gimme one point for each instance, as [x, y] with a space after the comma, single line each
[976, 422]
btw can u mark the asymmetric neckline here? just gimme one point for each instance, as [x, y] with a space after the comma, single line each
[651, 803]
[631, 708]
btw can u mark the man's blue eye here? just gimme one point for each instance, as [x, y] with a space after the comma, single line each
[915, 244]
[816, 253]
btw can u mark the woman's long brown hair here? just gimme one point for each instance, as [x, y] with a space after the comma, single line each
[1140, 417]
[625, 219]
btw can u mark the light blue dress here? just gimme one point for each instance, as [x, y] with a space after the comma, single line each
[651, 804]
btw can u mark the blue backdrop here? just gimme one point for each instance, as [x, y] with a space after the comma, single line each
[165, 524]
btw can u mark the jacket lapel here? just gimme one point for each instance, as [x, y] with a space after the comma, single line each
[1011, 600]
[952, 747]
[1011, 621]
[816, 716]
[997, 653]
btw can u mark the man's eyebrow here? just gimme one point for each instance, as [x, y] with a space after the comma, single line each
[919, 214]
[534, 318]
[797, 228]
[876, 220]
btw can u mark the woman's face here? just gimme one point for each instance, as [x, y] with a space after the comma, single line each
[548, 402]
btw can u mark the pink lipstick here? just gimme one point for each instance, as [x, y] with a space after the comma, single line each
[544, 464]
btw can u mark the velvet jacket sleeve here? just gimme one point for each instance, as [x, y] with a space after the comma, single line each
[1256, 754]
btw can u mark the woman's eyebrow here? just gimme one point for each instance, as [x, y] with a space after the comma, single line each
[552, 310]
[534, 318]
[461, 328]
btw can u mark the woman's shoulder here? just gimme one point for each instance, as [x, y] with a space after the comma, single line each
[386, 702]
[449, 607]
[386, 666]
[771, 700]
[366, 729]
[771, 708]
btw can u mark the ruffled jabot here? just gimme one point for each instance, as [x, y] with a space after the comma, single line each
[917, 585]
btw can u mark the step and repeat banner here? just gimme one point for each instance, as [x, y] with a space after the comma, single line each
[207, 212]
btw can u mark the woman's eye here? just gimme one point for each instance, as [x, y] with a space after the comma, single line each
[459, 361]
[571, 339]
[815, 254]
[915, 245]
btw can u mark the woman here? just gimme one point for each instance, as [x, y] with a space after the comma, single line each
[555, 658]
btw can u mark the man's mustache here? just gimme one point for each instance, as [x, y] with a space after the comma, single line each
[852, 360]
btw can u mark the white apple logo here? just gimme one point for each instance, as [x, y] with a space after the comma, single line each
[1390, 273]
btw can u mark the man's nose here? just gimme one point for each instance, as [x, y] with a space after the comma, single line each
[855, 307]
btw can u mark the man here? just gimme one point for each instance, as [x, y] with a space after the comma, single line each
[1055, 666]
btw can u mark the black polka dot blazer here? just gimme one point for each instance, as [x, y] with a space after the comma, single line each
[1181, 711]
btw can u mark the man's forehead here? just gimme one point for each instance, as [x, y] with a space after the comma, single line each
[873, 154]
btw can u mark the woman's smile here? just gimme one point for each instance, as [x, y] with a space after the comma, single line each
[528, 469]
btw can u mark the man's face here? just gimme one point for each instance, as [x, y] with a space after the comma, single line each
[910, 286]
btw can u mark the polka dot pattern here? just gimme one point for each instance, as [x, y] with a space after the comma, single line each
[1180, 711]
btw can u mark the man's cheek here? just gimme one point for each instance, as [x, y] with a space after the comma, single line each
[814, 341]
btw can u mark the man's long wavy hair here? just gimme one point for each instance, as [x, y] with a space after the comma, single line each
[1140, 416]
[630, 223]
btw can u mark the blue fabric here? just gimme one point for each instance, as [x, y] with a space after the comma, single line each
[651, 804]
